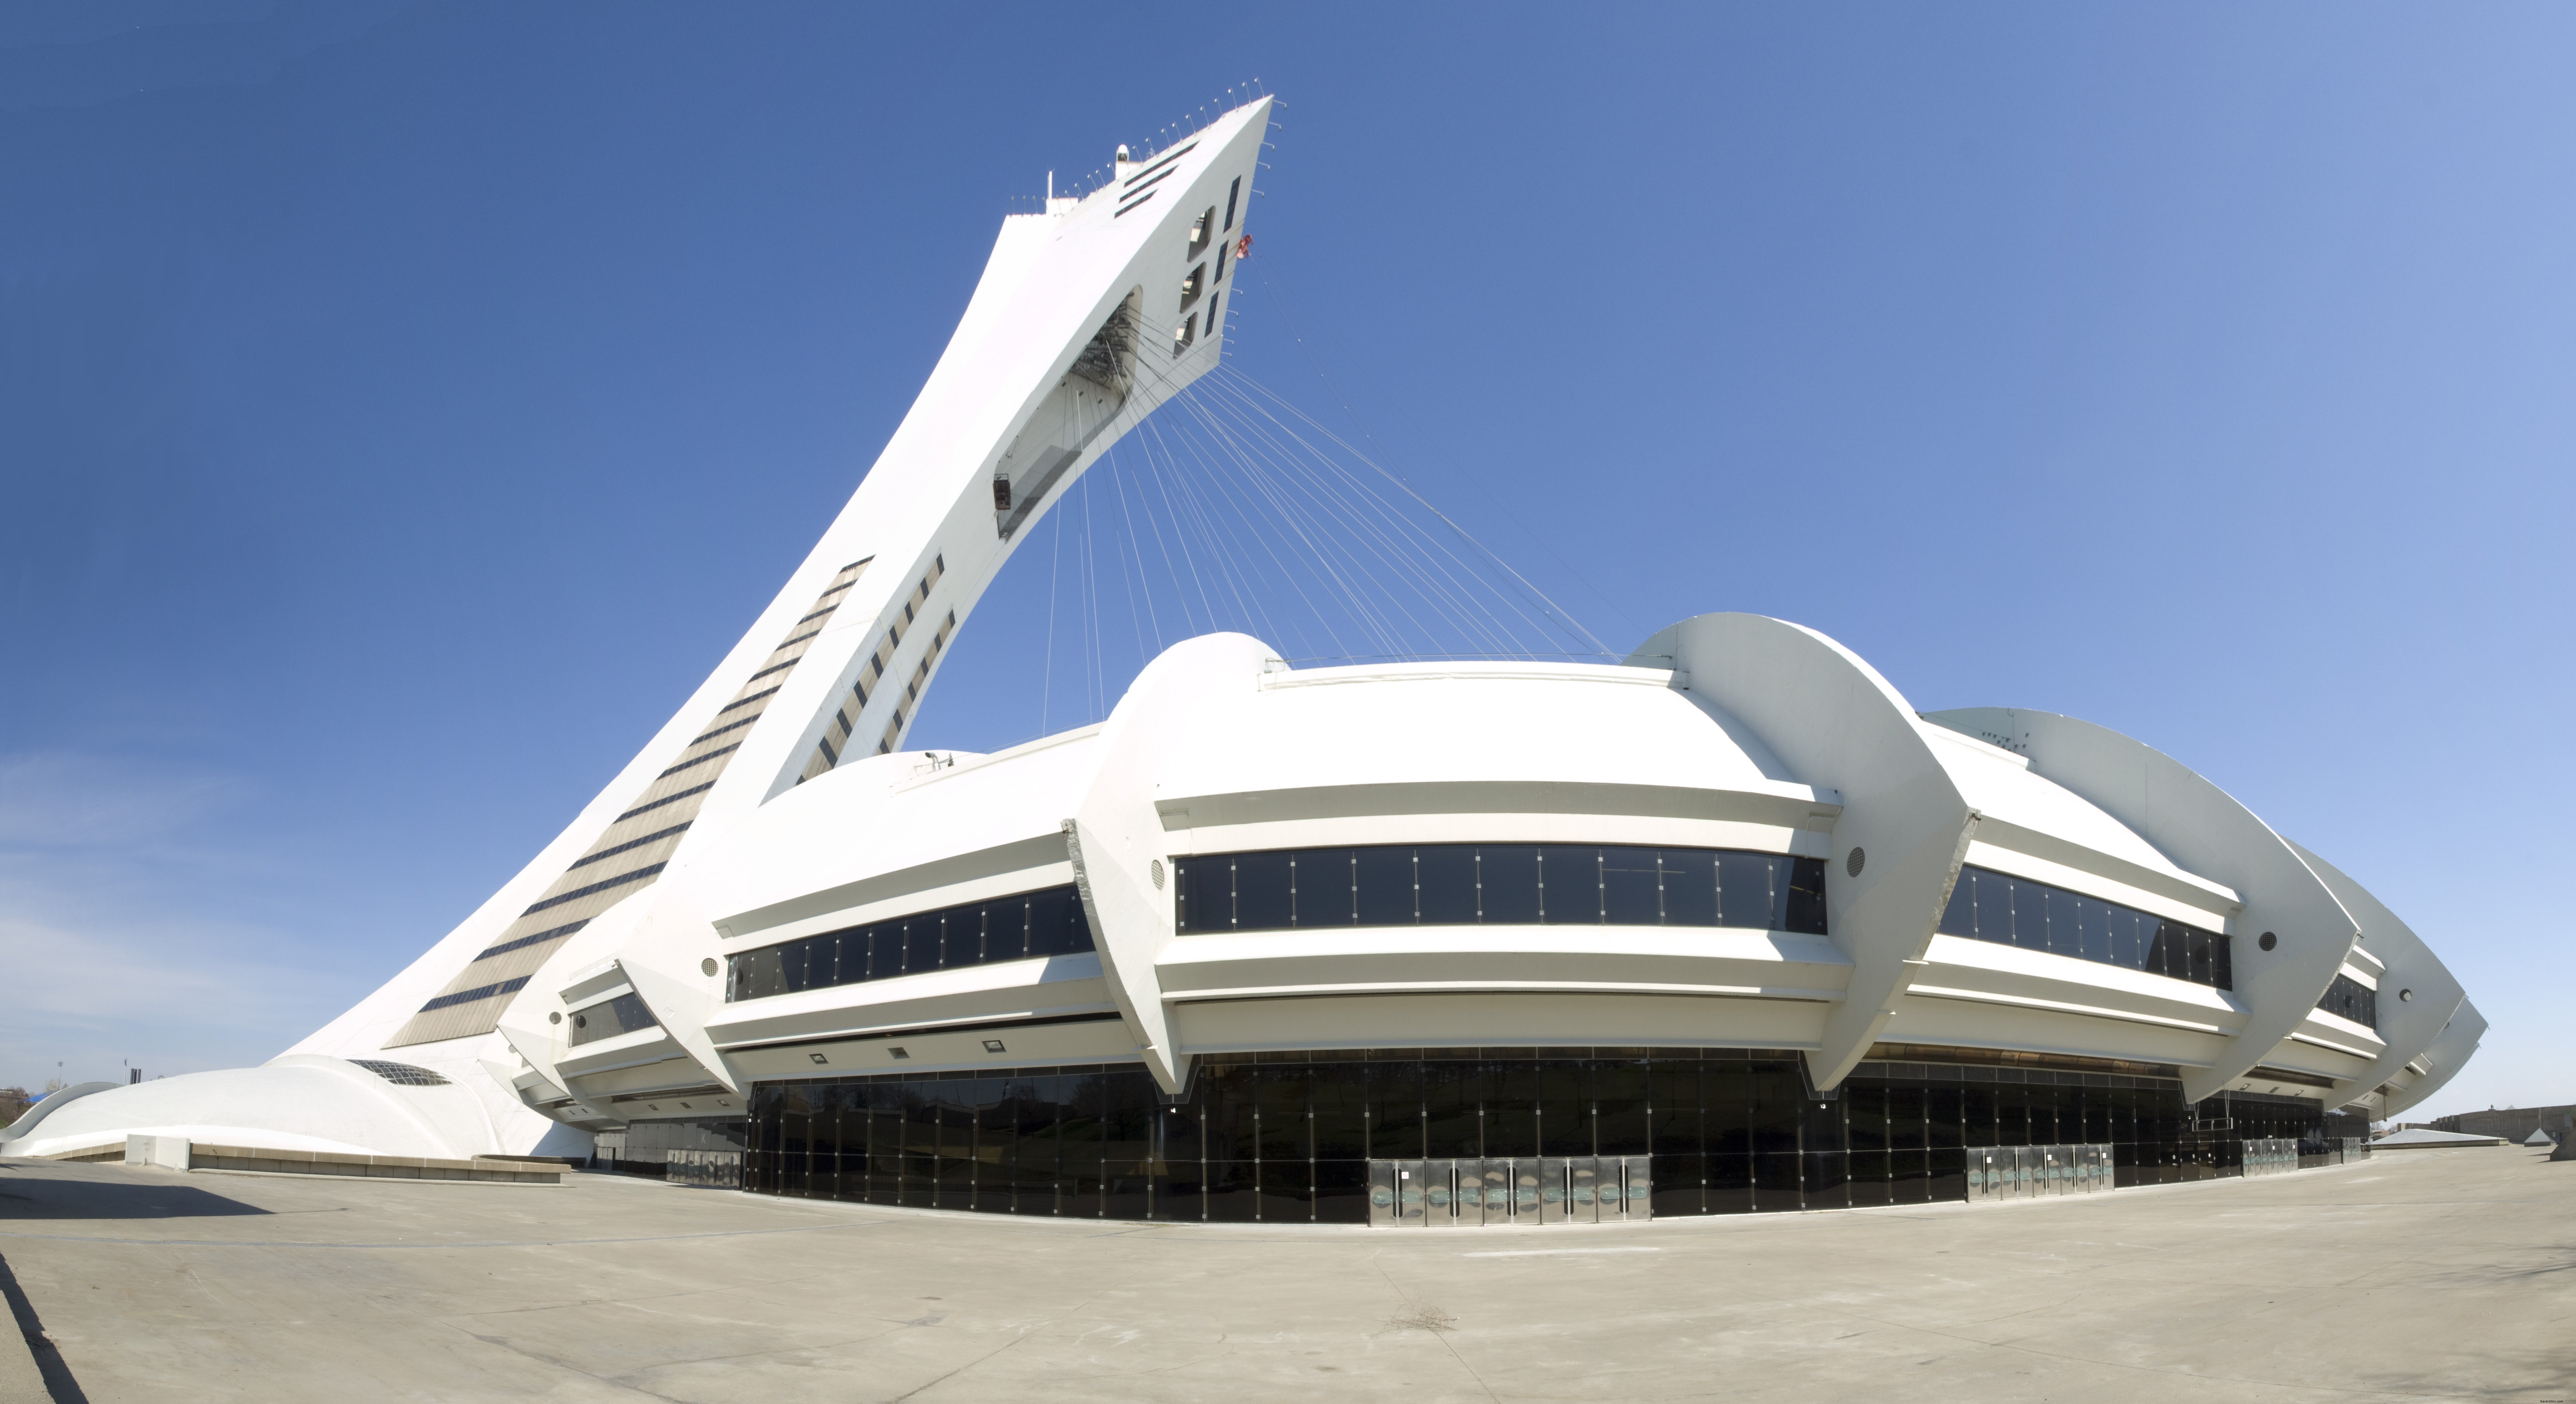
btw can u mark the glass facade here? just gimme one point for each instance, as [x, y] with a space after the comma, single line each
[1990, 906]
[1024, 926]
[1288, 1137]
[624, 1014]
[2353, 1000]
[1512, 884]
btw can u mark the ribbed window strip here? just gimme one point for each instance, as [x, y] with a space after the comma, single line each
[701, 760]
[666, 799]
[639, 875]
[655, 837]
[483, 992]
[555, 933]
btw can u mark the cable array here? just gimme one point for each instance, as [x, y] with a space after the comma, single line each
[1231, 509]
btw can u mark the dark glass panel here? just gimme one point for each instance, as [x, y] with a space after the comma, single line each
[757, 975]
[2065, 922]
[1680, 1185]
[1446, 873]
[1620, 1095]
[1944, 1113]
[2224, 975]
[2204, 962]
[1203, 894]
[1745, 883]
[1948, 1170]
[1229, 1094]
[1730, 1184]
[1631, 887]
[1323, 885]
[1341, 1191]
[1869, 1176]
[1056, 923]
[1822, 1124]
[1981, 1114]
[1828, 1179]
[1673, 1095]
[1507, 884]
[1690, 887]
[1511, 1108]
[2128, 946]
[1395, 1110]
[1232, 1197]
[1866, 1107]
[1905, 1115]
[1181, 1193]
[1126, 1189]
[792, 960]
[2097, 1115]
[1452, 1096]
[1079, 1155]
[1908, 1178]
[1285, 1134]
[1340, 1105]
[996, 1130]
[2093, 929]
[1777, 1091]
[1261, 892]
[1726, 1106]
[1385, 877]
[885, 1143]
[2169, 955]
[1287, 1191]
[2030, 916]
[1805, 910]
[1775, 1182]
[1006, 929]
[1570, 876]
[1564, 1108]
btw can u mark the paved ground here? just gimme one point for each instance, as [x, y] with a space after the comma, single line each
[2424, 1275]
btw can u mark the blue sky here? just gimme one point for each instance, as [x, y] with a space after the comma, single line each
[402, 407]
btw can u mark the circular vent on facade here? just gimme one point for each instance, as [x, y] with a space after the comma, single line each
[1855, 862]
[707, 966]
[2268, 941]
[2407, 995]
[1157, 868]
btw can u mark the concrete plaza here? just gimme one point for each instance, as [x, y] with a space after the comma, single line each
[2428, 1275]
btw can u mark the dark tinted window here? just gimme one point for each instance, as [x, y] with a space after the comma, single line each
[1498, 885]
[1446, 873]
[624, 1014]
[1990, 906]
[1385, 877]
[2353, 1000]
[1043, 923]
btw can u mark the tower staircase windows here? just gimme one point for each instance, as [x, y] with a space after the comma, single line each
[1202, 229]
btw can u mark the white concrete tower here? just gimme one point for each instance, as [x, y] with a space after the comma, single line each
[1088, 317]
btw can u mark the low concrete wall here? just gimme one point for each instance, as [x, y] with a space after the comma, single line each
[380, 1167]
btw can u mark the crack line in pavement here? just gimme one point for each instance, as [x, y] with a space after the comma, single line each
[1439, 1333]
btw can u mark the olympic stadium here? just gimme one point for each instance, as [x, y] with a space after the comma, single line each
[1720, 924]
